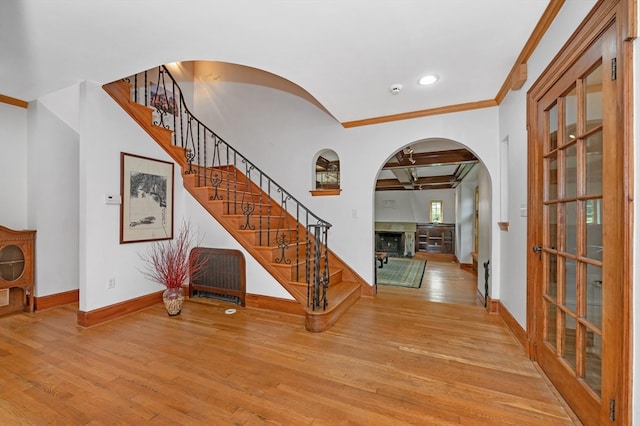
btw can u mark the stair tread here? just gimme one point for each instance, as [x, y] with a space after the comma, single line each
[336, 293]
[341, 290]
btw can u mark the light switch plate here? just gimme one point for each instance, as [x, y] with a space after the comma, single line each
[112, 199]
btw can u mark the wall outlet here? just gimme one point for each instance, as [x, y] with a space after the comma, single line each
[111, 283]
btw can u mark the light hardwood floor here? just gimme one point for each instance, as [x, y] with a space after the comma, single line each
[396, 359]
[443, 281]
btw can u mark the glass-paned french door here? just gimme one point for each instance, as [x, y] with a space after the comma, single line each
[577, 229]
[572, 243]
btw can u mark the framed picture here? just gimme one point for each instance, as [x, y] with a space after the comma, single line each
[165, 106]
[163, 99]
[146, 189]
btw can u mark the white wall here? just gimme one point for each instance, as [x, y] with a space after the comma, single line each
[13, 167]
[283, 132]
[53, 197]
[487, 230]
[465, 215]
[106, 131]
[422, 204]
[394, 206]
[413, 206]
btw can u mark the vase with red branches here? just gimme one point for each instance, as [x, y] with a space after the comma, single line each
[169, 263]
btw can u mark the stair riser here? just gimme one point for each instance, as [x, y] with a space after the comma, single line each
[273, 253]
[290, 272]
[238, 197]
[235, 209]
[272, 237]
[261, 222]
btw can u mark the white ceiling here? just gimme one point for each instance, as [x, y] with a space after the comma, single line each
[345, 53]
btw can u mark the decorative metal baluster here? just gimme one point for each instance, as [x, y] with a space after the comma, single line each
[247, 203]
[268, 212]
[177, 107]
[325, 274]
[297, 242]
[189, 153]
[283, 240]
[160, 101]
[317, 279]
[247, 210]
[202, 162]
[216, 181]
[261, 213]
[196, 147]
[181, 137]
[307, 249]
[146, 88]
[320, 279]
[486, 282]
[208, 172]
[235, 182]
[216, 174]
[307, 266]
[231, 170]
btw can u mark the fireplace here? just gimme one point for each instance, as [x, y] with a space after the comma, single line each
[391, 243]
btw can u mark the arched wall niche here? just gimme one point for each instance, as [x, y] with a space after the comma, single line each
[326, 173]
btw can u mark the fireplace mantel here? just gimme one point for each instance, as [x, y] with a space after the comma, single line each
[395, 227]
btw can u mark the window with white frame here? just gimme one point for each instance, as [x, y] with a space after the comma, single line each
[435, 211]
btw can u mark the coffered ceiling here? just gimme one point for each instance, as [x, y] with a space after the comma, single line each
[424, 165]
[411, 169]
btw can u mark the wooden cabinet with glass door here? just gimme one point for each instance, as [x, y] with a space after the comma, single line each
[435, 238]
[16, 270]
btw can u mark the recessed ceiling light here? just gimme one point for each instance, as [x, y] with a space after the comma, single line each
[428, 79]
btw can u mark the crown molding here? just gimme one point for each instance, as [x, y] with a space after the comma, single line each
[13, 101]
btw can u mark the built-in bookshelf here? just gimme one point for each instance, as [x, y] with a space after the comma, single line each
[435, 238]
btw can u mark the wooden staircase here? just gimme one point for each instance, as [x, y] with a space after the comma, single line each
[345, 286]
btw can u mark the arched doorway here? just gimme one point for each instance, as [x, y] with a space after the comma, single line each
[433, 201]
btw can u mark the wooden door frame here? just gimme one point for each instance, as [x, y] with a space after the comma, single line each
[623, 15]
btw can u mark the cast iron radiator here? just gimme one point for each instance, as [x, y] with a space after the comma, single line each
[222, 276]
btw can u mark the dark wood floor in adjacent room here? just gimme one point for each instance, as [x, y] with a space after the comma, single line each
[428, 356]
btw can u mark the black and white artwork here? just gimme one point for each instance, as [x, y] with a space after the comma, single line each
[147, 199]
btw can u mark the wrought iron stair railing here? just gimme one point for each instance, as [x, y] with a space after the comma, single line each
[276, 216]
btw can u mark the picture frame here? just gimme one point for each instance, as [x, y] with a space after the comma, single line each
[146, 191]
[164, 105]
[163, 99]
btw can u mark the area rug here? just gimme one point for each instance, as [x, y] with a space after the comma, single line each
[401, 272]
